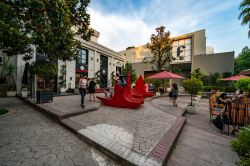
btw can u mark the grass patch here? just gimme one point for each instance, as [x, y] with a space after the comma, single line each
[3, 111]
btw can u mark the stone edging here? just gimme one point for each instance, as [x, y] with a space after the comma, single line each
[57, 114]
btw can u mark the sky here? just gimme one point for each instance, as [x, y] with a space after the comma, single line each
[124, 23]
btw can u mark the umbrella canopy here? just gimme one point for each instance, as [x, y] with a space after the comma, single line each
[165, 75]
[234, 78]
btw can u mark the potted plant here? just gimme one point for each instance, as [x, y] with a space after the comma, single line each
[46, 72]
[192, 86]
[24, 91]
[11, 69]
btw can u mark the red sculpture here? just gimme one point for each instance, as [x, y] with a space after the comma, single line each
[141, 89]
[124, 97]
[120, 99]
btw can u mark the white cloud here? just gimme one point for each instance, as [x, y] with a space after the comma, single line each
[119, 29]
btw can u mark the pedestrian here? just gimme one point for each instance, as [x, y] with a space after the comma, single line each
[92, 85]
[82, 89]
[174, 94]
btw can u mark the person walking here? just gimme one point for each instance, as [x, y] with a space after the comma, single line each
[174, 94]
[91, 87]
[82, 89]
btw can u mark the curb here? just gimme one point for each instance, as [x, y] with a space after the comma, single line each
[57, 114]
[162, 150]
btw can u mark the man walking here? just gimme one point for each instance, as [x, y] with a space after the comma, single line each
[83, 89]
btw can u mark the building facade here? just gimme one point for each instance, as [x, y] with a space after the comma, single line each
[94, 59]
[192, 47]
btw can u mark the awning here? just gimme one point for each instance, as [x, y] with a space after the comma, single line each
[235, 78]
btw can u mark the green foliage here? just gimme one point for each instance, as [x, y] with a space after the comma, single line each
[227, 74]
[128, 67]
[98, 77]
[50, 25]
[241, 145]
[44, 68]
[3, 111]
[220, 88]
[160, 46]
[241, 62]
[193, 86]
[196, 73]
[245, 13]
[243, 84]
[112, 78]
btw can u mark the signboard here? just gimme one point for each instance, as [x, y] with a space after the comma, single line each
[182, 48]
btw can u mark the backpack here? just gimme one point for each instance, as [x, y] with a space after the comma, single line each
[218, 122]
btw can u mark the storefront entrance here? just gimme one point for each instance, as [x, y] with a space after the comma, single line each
[104, 72]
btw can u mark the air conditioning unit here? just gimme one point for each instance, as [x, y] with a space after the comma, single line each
[1, 59]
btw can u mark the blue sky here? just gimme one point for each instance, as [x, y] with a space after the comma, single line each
[124, 23]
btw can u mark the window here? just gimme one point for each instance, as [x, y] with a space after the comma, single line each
[83, 57]
[182, 48]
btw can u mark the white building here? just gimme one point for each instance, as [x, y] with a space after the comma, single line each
[94, 57]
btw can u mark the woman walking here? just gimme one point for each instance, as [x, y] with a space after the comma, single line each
[174, 94]
[82, 89]
[91, 87]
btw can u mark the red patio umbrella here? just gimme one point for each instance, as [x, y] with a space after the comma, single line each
[165, 75]
[234, 78]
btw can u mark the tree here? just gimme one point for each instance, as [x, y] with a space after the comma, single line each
[128, 67]
[243, 84]
[53, 26]
[14, 39]
[197, 74]
[193, 86]
[241, 62]
[245, 13]
[160, 46]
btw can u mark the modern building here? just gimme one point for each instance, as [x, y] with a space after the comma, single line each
[94, 58]
[192, 47]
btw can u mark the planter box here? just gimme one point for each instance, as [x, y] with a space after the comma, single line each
[76, 91]
[191, 109]
[24, 93]
[11, 93]
[44, 97]
[157, 94]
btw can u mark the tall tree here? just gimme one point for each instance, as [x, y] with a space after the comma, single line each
[160, 46]
[51, 25]
[242, 61]
[14, 39]
[245, 13]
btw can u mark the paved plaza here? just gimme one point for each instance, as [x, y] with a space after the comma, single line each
[72, 103]
[30, 138]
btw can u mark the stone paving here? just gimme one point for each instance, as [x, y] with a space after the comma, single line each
[27, 137]
[129, 133]
[72, 103]
[202, 144]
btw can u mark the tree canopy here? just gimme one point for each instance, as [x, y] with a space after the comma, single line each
[242, 61]
[160, 46]
[245, 13]
[50, 25]
[128, 67]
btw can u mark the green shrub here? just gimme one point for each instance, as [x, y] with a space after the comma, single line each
[243, 84]
[220, 88]
[241, 145]
[3, 111]
[193, 86]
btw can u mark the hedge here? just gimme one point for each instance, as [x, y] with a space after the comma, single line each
[220, 88]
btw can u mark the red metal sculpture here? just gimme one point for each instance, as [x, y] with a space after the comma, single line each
[141, 89]
[120, 100]
[124, 97]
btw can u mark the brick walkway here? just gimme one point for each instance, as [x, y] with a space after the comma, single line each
[27, 137]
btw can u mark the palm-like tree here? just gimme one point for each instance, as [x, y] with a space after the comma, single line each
[245, 13]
